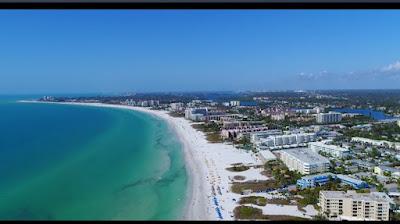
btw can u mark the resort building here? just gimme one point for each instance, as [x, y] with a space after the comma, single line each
[204, 114]
[340, 205]
[327, 118]
[177, 106]
[239, 132]
[334, 150]
[196, 114]
[304, 161]
[283, 141]
[322, 179]
[314, 180]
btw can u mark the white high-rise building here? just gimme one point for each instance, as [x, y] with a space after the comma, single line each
[327, 118]
[304, 161]
[340, 205]
[234, 103]
[177, 106]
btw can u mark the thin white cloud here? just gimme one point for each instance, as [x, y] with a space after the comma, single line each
[394, 67]
[390, 71]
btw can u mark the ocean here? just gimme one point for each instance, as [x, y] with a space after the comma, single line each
[69, 162]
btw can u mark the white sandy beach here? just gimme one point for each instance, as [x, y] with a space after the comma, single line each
[206, 163]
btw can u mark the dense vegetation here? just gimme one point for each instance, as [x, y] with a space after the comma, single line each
[256, 200]
[384, 131]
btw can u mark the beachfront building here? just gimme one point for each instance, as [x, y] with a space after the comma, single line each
[311, 181]
[204, 114]
[220, 116]
[340, 205]
[234, 133]
[322, 179]
[336, 151]
[177, 106]
[304, 161]
[196, 114]
[283, 141]
[381, 143]
[327, 118]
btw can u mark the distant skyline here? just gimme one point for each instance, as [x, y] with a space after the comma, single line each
[100, 51]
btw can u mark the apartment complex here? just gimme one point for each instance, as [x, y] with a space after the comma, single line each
[204, 114]
[350, 205]
[327, 118]
[334, 150]
[234, 133]
[304, 161]
[279, 141]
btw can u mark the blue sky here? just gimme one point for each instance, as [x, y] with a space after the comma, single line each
[80, 51]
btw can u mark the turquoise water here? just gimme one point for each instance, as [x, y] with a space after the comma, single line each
[68, 162]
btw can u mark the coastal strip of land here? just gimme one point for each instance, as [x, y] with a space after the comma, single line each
[209, 195]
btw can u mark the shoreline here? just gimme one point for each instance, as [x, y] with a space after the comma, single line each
[195, 203]
[208, 180]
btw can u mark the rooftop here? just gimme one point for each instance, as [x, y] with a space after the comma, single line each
[306, 155]
[334, 147]
[373, 196]
[350, 179]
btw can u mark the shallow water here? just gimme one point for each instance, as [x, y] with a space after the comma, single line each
[69, 162]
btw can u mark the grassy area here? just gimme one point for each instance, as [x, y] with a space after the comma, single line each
[177, 114]
[281, 174]
[238, 177]
[212, 131]
[278, 201]
[239, 187]
[251, 213]
[207, 127]
[256, 200]
[238, 168]
[214, 137]
[247, 212]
